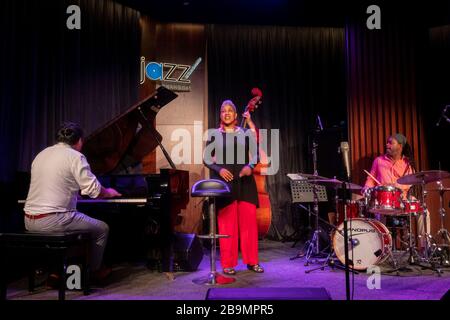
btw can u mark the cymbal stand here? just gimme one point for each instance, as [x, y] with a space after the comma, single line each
[313, 244]
[428, 238]
[443, 233]
[442, 248]
[425, 225]
[413, 254]
[330, 259]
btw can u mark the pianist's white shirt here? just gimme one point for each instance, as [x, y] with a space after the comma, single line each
[57, 174]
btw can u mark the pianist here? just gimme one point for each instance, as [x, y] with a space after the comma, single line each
[58, 173]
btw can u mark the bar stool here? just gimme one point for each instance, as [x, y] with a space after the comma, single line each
[213, 189]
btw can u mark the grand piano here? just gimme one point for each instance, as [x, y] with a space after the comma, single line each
[142, 221]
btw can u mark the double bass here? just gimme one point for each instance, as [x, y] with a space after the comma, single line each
[264, 212]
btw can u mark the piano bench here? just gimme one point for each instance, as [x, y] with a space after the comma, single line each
[34, 248]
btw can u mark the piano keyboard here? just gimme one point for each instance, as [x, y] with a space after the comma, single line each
[130, 201]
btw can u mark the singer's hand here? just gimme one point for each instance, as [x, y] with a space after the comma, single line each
[249, 120]
[226, 175]
[246, 171]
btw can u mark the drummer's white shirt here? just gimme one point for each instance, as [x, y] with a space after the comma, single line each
[57, 174]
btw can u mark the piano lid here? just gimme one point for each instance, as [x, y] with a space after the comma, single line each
[127, 138]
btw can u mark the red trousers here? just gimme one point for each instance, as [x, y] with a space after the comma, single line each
[238, 220]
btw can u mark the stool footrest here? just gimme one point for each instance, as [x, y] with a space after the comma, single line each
[212, 236]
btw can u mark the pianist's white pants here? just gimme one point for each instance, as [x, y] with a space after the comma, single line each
[75, 221]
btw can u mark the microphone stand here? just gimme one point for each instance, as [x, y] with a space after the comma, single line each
[347, 271]
[443, 115]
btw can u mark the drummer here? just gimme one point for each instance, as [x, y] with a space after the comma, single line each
[394, 164]
[388, 168]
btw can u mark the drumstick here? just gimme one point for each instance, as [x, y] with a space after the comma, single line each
[375, 179]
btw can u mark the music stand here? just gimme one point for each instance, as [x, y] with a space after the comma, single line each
[304, 192]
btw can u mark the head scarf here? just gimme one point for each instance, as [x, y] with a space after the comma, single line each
[400, 138]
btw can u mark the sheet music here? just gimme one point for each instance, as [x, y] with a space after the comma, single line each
[295, 176]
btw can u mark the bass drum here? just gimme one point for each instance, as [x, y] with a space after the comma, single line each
[369, 243]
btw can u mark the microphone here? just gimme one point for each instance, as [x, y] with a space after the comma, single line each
[345, 158]
[319, 123]
[442, 115]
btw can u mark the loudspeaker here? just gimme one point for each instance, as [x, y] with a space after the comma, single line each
[446, 296]
[188, 252]
[267, 294]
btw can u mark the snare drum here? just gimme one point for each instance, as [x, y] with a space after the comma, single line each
[369, 243]
[385, 200]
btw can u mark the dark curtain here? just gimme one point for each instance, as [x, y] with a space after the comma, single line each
[50, 74]
[438, 96]
[384, 91]
[301, 72]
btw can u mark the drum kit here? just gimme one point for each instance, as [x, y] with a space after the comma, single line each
[370, 241]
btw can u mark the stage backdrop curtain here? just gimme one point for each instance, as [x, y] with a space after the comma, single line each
[301, 72]
[383, 90]
[50, 74]
[438, 96]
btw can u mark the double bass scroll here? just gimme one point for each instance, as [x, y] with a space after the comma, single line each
[264, 212]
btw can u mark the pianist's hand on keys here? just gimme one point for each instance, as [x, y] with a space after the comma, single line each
[109, 193]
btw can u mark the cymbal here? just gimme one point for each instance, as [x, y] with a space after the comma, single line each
[311, 176]
[304, 176]
[334, 183]
[424, 176]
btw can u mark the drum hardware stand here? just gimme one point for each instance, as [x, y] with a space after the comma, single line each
[303, 191]
[431, 249]
[412, 246]
[443, 233]
[313, 247]
[428, 237]
[315, 240]
[308, 209]
[411, 250]
[309, 245]
[330, 260]
[396, 266]
[296, 235]
[414, 256]
[425, 225]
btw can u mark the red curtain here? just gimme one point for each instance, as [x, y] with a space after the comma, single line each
[382, 69]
